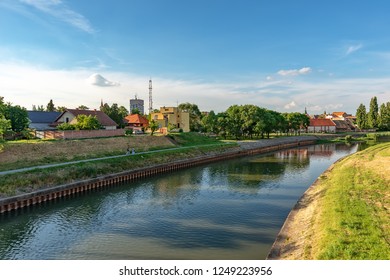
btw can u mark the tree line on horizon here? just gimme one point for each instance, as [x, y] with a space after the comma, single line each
[238, 121]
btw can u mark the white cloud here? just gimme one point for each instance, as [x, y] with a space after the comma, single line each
[290, 105]
[295, 72]
[353, 48]
[98, 80]
[25, 85]
[269, 78]
[60, 10]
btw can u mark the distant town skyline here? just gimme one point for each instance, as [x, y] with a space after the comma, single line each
[281, 55]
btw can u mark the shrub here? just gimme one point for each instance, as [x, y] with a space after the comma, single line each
[66, 126]
[129, 132]
[348, 138]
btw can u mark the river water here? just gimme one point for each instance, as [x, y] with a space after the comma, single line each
[225, 210]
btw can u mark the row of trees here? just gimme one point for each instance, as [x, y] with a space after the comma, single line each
[245, 121]
[375, 118]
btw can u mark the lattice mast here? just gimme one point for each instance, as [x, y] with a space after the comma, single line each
[150, 97]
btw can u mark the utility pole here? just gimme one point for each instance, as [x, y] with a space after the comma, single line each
[150, 96]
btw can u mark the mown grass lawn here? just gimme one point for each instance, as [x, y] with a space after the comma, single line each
[353, 219]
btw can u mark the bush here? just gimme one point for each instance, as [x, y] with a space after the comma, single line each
[66, 126]
[348, 138]
[129, 132]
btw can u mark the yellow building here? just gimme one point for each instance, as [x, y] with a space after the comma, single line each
[171, 118]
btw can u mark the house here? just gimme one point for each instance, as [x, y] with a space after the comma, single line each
[70, 116]
[40, 120]
[344, 125]
[136, 122]
[171, 118]
[322, 125]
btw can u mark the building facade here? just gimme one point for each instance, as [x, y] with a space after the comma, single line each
[137, 104]
[171, 118]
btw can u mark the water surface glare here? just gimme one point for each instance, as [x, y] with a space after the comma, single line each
[226, 210]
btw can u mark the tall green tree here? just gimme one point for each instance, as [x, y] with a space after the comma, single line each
[361, 117]
[116, 113]
[210, 122]
[195, 115]
[50, 106]
[384, 116]
[373, 113]
[235, 121]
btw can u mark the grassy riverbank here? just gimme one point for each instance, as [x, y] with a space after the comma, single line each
[17, 155]
[352, 217]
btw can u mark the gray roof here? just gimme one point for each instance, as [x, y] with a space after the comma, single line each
[42, 117]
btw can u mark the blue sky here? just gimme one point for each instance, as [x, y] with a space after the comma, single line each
[282, 55]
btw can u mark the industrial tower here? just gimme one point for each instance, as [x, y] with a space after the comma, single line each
[150, 97]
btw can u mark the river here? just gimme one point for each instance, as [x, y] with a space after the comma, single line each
[225, 210]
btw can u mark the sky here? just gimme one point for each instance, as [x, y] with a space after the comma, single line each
[282, 55]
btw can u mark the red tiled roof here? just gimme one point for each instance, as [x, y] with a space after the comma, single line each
[321, 122]
[136, 119]
[101, 116]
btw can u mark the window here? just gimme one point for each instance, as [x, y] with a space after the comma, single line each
[67, 120]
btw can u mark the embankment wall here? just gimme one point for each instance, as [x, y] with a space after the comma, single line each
[85, 186]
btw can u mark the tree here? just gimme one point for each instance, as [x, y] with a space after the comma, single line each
[89, 122]
[210, 122]
[82, 107]
[153, 126]
[135, 111]
[116, 113]
[384, 117]
[18, 117]
[39, 108]
[373, 113]
[50, 106]
[235, 121]
[61, 109]
[195, 115]
[4, 125]
[361, 117]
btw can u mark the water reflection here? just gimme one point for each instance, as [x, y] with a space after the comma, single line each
[225, 210]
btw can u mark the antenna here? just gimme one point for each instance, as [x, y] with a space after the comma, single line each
[150, 96]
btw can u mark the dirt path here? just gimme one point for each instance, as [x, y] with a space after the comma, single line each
[295, 234]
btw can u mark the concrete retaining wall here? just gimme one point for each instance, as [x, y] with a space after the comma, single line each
[54, 193]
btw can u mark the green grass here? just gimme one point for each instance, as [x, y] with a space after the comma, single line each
[354, 220]
[193, 139]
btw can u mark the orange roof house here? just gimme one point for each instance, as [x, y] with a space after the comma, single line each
[321, 125]
[136, 120]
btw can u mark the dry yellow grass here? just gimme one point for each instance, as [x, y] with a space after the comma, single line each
[22, 154]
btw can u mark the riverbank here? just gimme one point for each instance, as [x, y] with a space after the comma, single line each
[60, 181]
[345, 214]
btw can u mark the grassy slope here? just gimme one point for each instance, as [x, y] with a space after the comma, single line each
[36, 179]
[19, 154]
[353, 219]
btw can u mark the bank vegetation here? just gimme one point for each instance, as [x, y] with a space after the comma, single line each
[346, 214]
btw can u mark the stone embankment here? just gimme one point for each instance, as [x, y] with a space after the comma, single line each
[84, 186]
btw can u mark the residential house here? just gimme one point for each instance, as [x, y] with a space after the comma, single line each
[40, 120]
[321, 125]
[170, 118]
[70, 116]
[136, 122]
